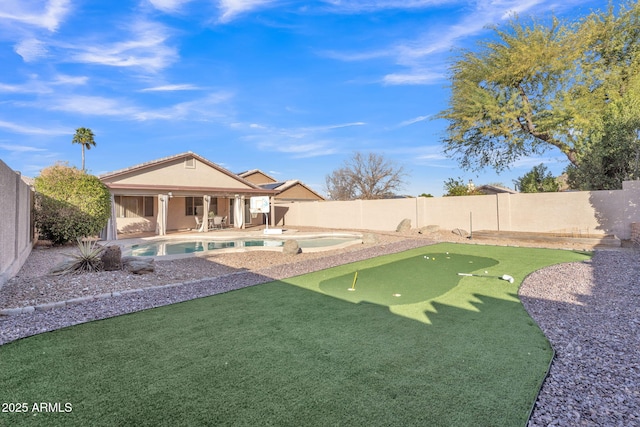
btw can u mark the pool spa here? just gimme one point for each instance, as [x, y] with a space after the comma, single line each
[194, 246]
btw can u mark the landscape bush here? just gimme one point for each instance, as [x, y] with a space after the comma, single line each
[70, 204]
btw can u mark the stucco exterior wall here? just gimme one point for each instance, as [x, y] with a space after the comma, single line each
[16, 236]
[577, 213]
[177, 173]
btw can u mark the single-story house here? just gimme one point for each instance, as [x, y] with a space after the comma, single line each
[178, 192]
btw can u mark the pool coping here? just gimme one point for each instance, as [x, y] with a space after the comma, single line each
[226, 235]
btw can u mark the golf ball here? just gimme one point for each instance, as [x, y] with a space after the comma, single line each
[486, 272]
[425, 257]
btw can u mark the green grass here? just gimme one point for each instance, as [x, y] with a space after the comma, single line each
[285, 353]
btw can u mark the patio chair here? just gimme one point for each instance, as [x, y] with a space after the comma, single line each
[224, 222]
[217, 222]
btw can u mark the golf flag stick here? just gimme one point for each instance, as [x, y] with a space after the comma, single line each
[505, 277]
[353, 285]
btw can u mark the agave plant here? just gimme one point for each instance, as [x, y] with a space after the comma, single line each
[88, 260]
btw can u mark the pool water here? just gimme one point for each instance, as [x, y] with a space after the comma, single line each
[172, 247]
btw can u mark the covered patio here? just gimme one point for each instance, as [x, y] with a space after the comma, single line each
[182, 192]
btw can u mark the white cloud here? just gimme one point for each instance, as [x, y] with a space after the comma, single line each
[298, 150]
[31, 130]
[358, 56]
[20, 148]
[297, 142]
[45, 14]
[416, 78]
[424, 57]
[42, 87]
[62, 79]
[343, 125]
[91, 105]
[200, 109]
[231, 8]
[168, 6]
[170, 88]
[146, 49]
[31, 49]
[357, 6]
[413, 121]
[13, 88]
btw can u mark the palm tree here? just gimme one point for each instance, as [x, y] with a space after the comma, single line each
[84, 137]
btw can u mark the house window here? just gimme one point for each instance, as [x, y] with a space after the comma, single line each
[148, 206]
[193, 206]
[134, 206]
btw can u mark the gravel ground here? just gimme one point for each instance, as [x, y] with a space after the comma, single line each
[589, 312]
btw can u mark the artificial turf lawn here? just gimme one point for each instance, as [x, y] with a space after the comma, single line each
[284, 353]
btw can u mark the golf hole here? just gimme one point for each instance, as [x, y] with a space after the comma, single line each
[396, 295]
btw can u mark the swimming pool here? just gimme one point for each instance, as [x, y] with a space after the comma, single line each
[156, 248]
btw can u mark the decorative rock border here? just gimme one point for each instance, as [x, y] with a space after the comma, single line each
[50, 306]
[80, 300]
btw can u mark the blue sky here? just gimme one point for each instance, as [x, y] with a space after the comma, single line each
[289, 87]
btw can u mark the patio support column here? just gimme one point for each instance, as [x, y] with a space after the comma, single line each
[161, 223]
[242, 211]
[272, 211]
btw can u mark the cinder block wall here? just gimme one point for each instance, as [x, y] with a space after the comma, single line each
[577, 212]
[16, 236]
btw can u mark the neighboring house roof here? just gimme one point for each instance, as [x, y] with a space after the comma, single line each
[292, 190]
[256, 176]
[286, 190]
[494, 189]
[167, 174]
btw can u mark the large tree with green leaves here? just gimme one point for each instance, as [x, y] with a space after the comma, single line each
[537, 180]
[84, 137]
[537, 86]
[616, 158]
[457, 187]
[614, 66]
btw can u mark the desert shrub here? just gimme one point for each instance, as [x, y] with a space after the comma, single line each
[87, 260]
[70, 204]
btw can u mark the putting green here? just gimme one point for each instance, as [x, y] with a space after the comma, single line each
[406, 281]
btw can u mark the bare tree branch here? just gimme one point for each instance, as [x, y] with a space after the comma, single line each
[368, 177]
